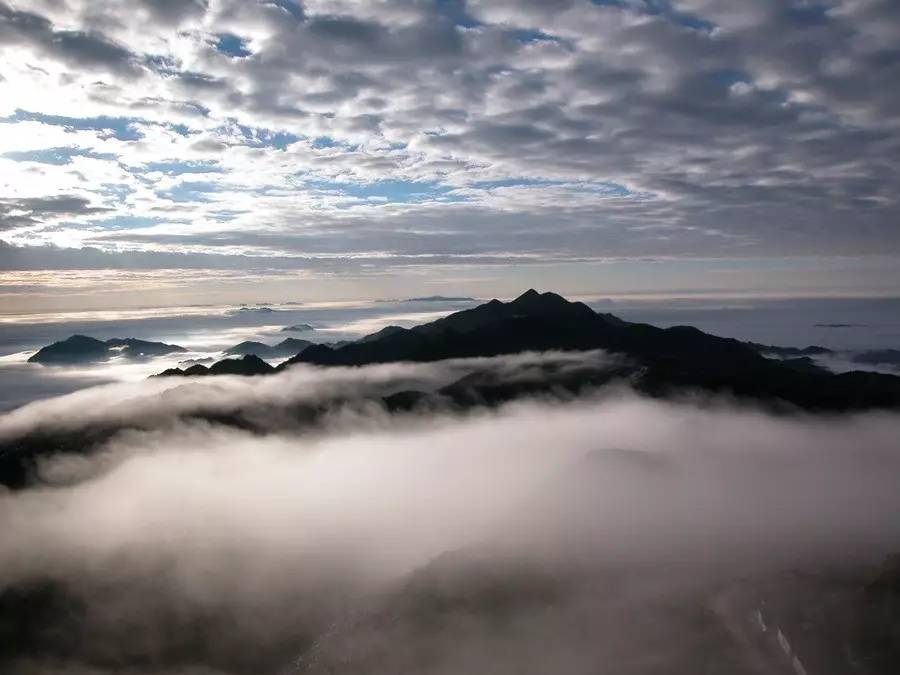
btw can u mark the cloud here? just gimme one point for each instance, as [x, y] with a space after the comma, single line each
[76, 48]
[15, 213]
[727, 132]
[165, 400]
[174, 11]
[237, 549]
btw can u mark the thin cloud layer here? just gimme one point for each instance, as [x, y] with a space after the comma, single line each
[392, 132]
[162, 401]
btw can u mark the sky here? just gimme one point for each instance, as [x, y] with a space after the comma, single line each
[158, 152]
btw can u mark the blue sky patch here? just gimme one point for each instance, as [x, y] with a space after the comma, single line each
[117, 191]
[322, 142]
[388, 191]
[55, 156]
[512, 182]
[534, 36]
[176, 168]
[232, 45]
[122, 128]
[266, 138]
[125, 222]
[190, 191]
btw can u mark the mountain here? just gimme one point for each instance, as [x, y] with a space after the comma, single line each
[246, 365]
[657, 361]
[248, 347]
[84, 349]
[654, 361]
[285, 348]
[666, 360]
[879, 357]
[251, 310]
[384, 332]
[533, 321]
[298, 328]
[812, 350]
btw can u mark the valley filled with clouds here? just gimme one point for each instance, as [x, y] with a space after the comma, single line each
[548, 534]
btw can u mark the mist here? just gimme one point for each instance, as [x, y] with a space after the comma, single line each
[157, 401]
[187, 545]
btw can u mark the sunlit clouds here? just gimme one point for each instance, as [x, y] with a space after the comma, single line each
[481, 134]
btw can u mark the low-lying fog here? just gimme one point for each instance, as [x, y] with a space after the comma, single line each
[192, 545]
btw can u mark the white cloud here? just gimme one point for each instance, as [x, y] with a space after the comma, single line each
[289, 530]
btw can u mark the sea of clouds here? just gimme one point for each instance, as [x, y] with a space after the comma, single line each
[187, 544]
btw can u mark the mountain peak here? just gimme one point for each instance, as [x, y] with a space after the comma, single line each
[84, 349]
[532, 303]
[530, 294]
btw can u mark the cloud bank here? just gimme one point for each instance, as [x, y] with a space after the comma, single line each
[192, 545]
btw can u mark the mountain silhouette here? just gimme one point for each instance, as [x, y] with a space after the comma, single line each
[532, 322]
[812, 350]
[84, 349]
[666, 360]
[878, 357]
[249, 364]
[661, 361]
[287, 347]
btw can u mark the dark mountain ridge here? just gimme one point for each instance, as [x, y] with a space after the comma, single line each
[532, 322]
[654, 361]
[249, 364]
[666, 360]
[287, 347]
[84, 349]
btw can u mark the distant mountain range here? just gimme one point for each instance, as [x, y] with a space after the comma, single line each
[654, 361]
[664, 360]
[249, 364]
[870, 357]
[285, 348]
[83, 349]
[251, 310]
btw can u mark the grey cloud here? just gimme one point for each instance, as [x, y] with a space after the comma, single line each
[199, 81]
[777, 128]
[173, 12]
[209, 145]
[73, 47]
[33, 210]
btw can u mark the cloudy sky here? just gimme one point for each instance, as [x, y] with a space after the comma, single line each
[276, 149]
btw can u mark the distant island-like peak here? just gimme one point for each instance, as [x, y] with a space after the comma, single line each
[84, 349]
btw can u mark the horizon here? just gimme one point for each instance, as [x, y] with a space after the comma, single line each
[673, 298]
